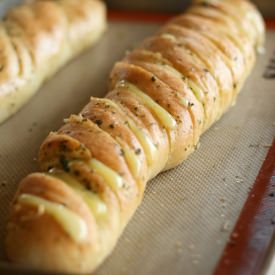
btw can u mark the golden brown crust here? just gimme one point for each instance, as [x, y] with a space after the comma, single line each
[92, 137]
[227, 25]
[232, 55]
[210, 57]
[58, 146]
[115, 123]
[162, 97]
[239, 12]
[192, 68]
[182, 136]
[143, 118]
[37, 39]
[157, 65]
[27, 226]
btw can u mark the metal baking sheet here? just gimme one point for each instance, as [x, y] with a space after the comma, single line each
[188, 213]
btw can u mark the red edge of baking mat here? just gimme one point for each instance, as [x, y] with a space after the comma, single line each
[249, 242]
[114, 15]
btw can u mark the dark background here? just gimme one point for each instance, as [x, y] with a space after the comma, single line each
[266, 6]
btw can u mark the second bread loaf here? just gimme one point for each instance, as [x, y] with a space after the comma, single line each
[36, 39]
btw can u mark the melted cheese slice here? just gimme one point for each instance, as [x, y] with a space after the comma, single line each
[133, 161]
[171, 70]
[144, 140]
[168, 36]
[96, 205]
[164, 117]
[194, 87]
[112, 178]
[196, 90]
[146, 143]
[131, 158]
[72, 223]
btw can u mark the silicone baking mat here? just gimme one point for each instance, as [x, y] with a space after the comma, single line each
[187, 213]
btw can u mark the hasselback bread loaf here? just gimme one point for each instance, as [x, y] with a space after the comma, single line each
[37, 38]
[162, 96]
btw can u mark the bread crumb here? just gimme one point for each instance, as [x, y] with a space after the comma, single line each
[222, 200]
[40, 210]
[179, 247]
[219, 242]
[17, 207]
[238, 179]
[267, 145]
[10, 226]
[4, 183]
[226, 226]
[127, 240]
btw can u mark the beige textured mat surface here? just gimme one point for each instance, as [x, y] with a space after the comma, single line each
[187, 214]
